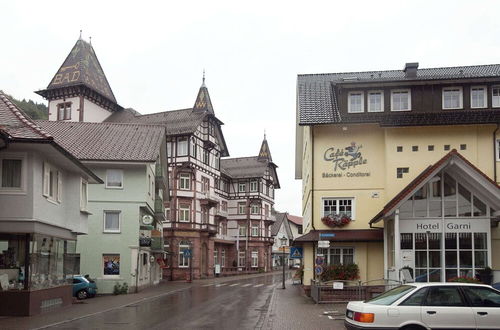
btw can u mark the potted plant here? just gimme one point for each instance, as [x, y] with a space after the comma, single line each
[486, 275]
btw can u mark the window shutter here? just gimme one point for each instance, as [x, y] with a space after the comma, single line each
[46, 179]
[59, 186]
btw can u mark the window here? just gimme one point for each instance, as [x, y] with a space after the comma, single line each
[495, 97]
[452, 98]
[255, 259]
[223, 206]
[111, 221]
[400, 171]
[169, 149]
[217, 160]
[338, 255]
[444, 296]
[335, 206]
[64, 111]
[193, 147]
[111, 263]
[114, 179]
[400, 100]
[204, 215]
[242, 231]
[205, 184]
[52, 183]
[11, 168]
[498, 150]
[478, 97]
[242, 187]
[184, 211]
[375, 101]
[223, 258]
[356, 102]
[430, 148]
[399, 148]
[182, 146]
[255, 230]
[266, 210]
[482, 297]
[255, 209]
[446, 147]
[241, 259]
[184, 261]
[167, 214]
[83, 195]
[253, 186]
[242, 208]
[185, 182]
[463, 147]
[216, 257]
[414, 148]
[206, 157]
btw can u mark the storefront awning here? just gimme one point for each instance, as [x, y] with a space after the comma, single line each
[355, 235]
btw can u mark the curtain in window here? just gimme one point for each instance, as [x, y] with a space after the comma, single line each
[11, 173]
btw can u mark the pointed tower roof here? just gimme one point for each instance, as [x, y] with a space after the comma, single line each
[264, 153]
[203, 103]
[81, 67]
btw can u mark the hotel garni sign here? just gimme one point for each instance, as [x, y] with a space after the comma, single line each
[346, 162]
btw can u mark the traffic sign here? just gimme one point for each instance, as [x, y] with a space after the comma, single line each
[323, 244]
[318, 270]
[326, 235]
[295, 252]
[320, 260]
[187, 253]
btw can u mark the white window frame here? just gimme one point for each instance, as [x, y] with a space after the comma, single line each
[353, 205]
[349, 107]
[485, 97]
[55, 182]
[84, 195]
[242, 231]
[113, 231]
[184, 181]
[255, 259]
[223, 258]
[255, 230]
[183, 211]
[381, 92]
[216, 256]
[254, 209]
[497, 103]
[117, 171]
[328, 253]
[242, 258]
[242, 187]
[398, 91]
[22, 188]
[242, 208]
[461, 97]
[498, 150]
[254, 185]
[182, 147]
[183, 261]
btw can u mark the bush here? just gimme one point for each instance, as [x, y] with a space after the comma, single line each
[464, 279]
[340, 272]
[120, 288]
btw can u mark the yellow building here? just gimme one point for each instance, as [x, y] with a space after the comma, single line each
[401, 168]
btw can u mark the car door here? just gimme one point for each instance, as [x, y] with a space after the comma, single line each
[446, 308]
[485, 304]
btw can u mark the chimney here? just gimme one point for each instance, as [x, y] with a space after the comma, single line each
[410, 70]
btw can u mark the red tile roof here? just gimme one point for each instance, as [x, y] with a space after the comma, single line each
[295, 219]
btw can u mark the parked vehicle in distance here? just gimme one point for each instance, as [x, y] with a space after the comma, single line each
[419, 306]
[83, 287]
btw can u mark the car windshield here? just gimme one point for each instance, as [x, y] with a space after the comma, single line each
[389, 297]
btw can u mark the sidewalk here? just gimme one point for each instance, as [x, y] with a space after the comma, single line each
[101, 304]
[292, 309]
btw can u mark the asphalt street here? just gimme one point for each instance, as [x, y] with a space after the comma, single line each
[238, 304]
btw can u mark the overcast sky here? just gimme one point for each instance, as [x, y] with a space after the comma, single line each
[154, 53]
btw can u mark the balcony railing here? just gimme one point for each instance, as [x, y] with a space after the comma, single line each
[212, 229]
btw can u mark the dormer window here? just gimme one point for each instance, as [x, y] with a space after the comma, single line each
[375, 101]
[64, 111]
[356, 102]
[495, 97]
[400, 100]
[478, 97]
[452, 98]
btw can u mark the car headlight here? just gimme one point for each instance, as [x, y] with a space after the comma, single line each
[364, 317]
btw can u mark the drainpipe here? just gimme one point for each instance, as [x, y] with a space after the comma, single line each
[494, 153]
[312, 178]
[137, 270]
[397, 243]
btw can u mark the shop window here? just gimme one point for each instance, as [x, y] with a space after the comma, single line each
[182, 146]
[241, 259]
[253, 186]
[338, 255]
[52, 182]
[64, 111]
[406, 241]
[184, 260]
[400, 171]
[255, 230]
[111, 264]
[399, 149]
[185, 181]
[255, 259]
[184, 212]
[11, 168]
[114, 179]
[452, 98]
[427, 257]
[242, 208]
[338, 206]
[465, 254]
[111, 221]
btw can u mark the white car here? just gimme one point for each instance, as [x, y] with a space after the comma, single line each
[419, 306]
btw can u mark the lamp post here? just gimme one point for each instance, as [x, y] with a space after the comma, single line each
[283, 244]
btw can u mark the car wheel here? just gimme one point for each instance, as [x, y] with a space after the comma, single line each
[412, 327]
[82, 294]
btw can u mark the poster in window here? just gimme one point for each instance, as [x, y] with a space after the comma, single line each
[111, 264]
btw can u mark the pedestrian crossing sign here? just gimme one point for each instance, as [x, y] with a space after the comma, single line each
[295, 252]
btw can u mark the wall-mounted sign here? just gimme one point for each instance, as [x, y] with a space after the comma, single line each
[147, 219]
[448, 225]
[345, 160]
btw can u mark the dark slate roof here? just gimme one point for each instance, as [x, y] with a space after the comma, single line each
[107, 141]
[277, 224]
[243, 167]
[203, 102]
[82, 67]
[17, 125]
[265, 153]
[317, 97]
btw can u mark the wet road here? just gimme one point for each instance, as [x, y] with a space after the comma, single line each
[238, 304]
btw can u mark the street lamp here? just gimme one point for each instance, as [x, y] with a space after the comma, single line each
[283, 244]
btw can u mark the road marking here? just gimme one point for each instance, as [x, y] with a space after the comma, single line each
[245, 285]
[208, 284]
[256, 286]
[222, 284]
[235, 284]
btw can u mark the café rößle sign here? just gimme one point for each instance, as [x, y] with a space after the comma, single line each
[345, 162]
